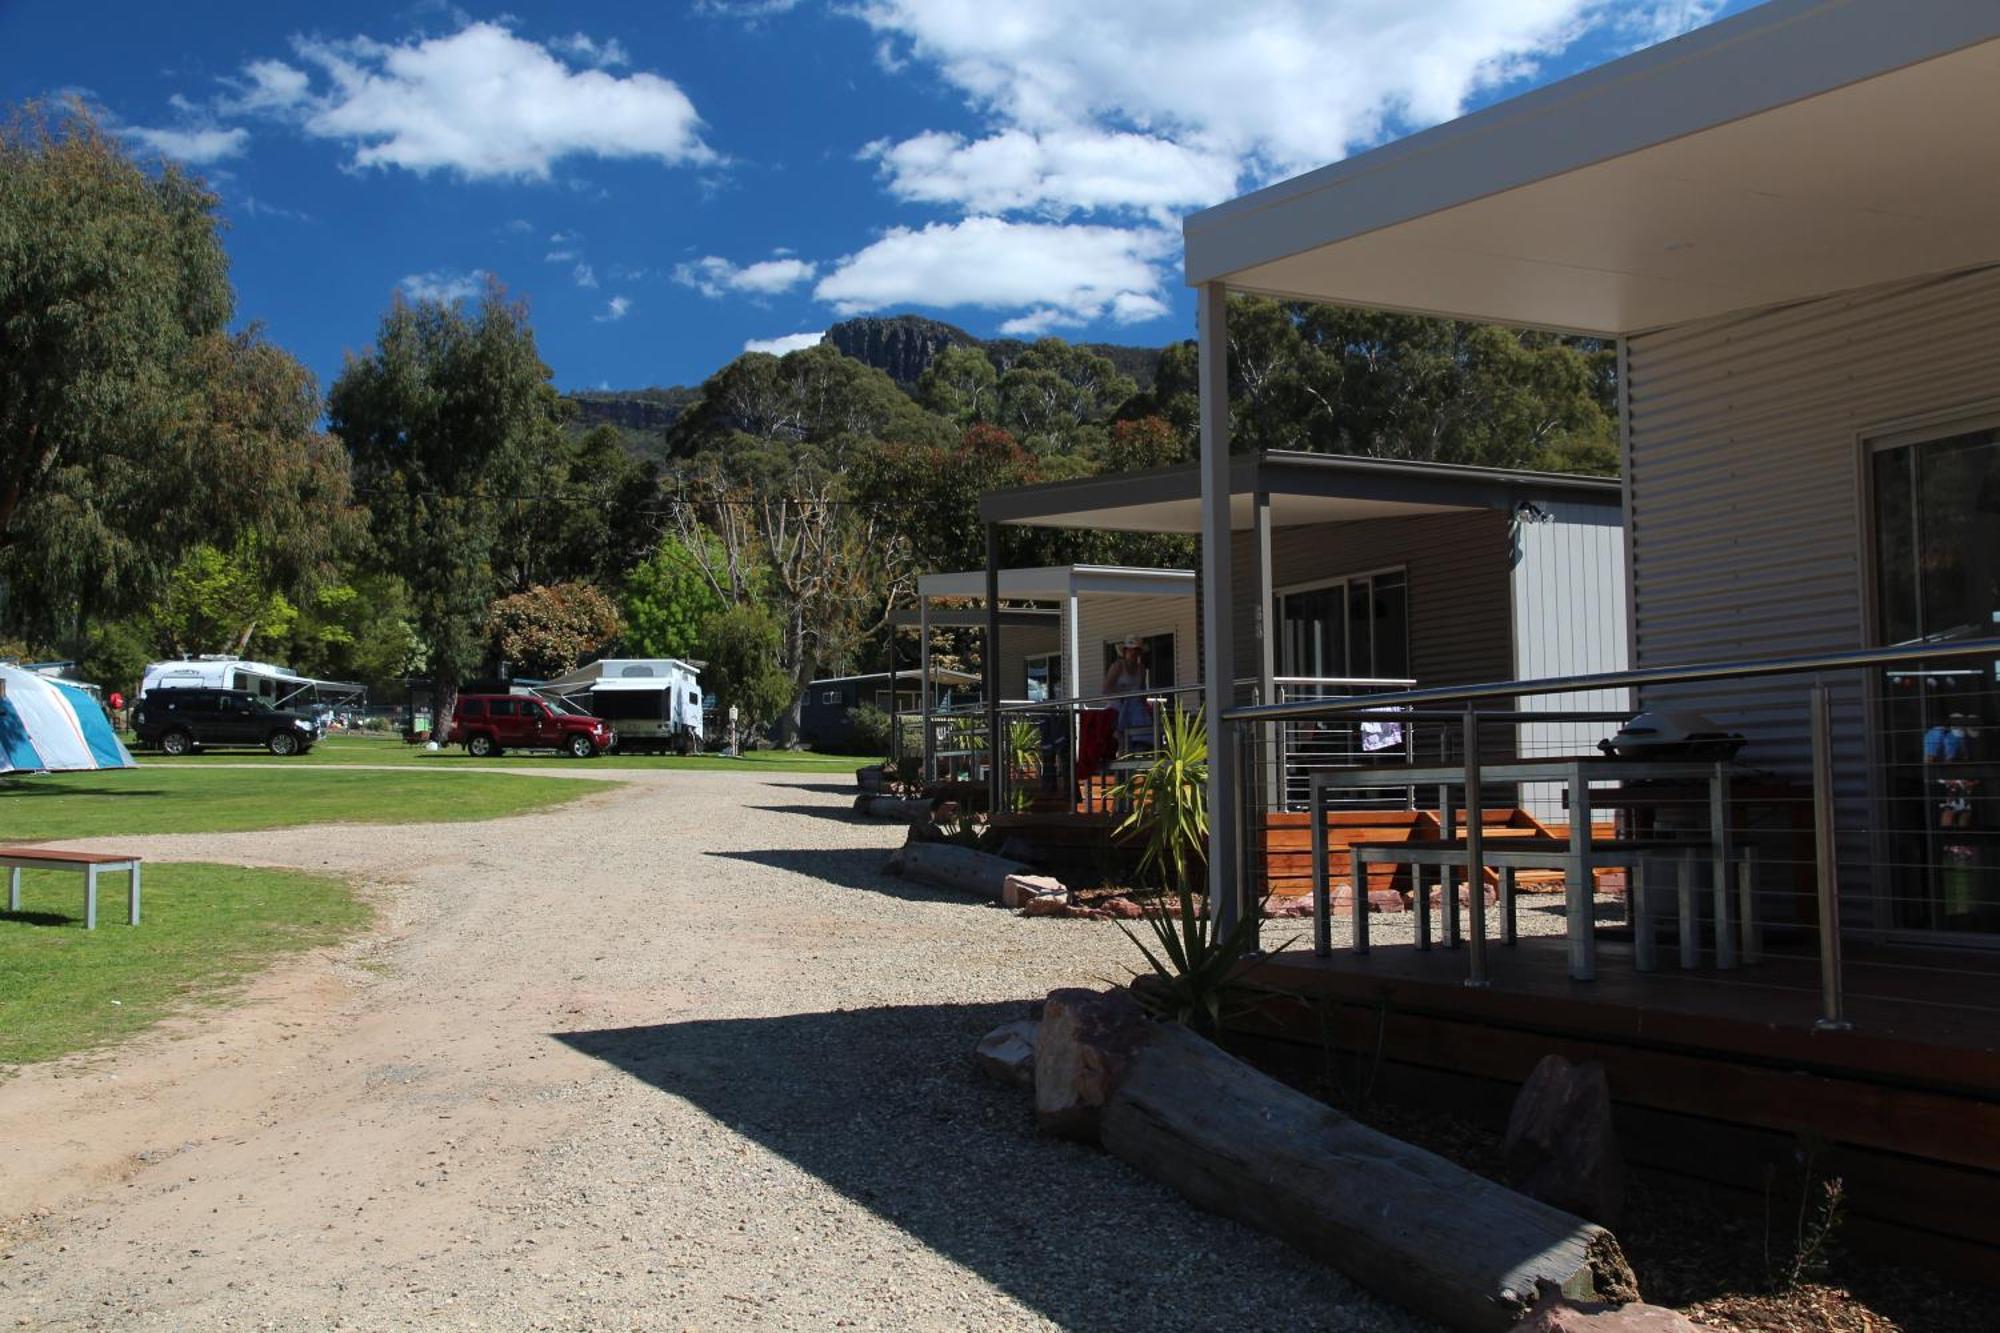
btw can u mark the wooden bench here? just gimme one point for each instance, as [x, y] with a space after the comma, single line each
[89, 864]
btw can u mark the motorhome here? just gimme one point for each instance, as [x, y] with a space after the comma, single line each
[280, 686]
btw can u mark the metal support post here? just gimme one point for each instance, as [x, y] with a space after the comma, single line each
[991, 652]
[1833, 1000]
[1475, 853]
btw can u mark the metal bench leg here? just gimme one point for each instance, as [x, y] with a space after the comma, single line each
[90, 897]
[1420, 881]
[1639, 906]
[132, 896]
[1723, 861]
[1357, 900]
[1580, 891]
[1509, 928]
[1746, 902]
[1322, 895]
[14, 888]
[1448, 894]
[1690, 934]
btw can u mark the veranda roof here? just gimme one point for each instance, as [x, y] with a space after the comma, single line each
[1801, 148]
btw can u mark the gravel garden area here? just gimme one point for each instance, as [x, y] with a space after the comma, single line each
[676, 1055]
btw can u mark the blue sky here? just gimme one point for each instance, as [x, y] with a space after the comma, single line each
[666, 184]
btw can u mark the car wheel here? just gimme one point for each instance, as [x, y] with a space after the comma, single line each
[176, 743]
[481, 747]
[581, 746]
[282, 743]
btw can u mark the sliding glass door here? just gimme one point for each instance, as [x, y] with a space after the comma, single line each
[1937, 579]
[1357, 626]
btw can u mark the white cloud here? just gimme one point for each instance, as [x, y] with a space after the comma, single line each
[518, 227]
[751, 10]
[559, 256]
[585, 275]
[1301, 83]
[785, 342]
[1055, 173]
[1073, 273]
[268, 85]
[614, 310]
[444, 284]
[196, 147]
[714, 276]
[604, 54]
[487, 104]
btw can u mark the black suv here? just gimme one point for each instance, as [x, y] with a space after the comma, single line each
[181, 721]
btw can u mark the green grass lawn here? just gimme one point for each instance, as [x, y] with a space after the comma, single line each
[203, 928]
[359, 749]
[184, 798]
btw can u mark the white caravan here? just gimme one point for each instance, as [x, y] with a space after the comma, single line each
[653, 704]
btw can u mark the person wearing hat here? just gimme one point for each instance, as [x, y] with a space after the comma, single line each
[1127, 676]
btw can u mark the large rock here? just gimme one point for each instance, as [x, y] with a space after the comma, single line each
[1007, 1053]
[1019, 890]
[1554, 1314]
[1082, 1053]
[1560, 1146]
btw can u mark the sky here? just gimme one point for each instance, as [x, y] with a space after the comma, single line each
[669, 184]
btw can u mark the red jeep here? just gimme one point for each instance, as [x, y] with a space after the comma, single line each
[487, 724]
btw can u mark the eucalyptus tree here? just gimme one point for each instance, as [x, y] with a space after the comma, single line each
[448, 419]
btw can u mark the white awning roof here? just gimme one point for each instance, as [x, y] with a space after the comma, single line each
[1801, 148]
[1054, 582]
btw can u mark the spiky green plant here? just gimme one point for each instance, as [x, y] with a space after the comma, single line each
[1194, 970]
[1024, 762]
[1166, 803]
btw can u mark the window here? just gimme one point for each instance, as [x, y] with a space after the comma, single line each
[472, 708]
[1351, 627]
[502, 708]
[1156, 655]
[829, 696]
[1045, 677]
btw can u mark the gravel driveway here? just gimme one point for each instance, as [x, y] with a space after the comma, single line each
[677, 1056]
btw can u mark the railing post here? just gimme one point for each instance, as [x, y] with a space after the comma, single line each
[1475, 853]
[1833, 1006]
[1246, 852]
[1322, 894]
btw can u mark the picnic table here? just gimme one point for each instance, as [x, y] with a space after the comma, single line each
[89, 864]
[1576, 857]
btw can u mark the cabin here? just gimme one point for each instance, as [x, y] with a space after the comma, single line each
[1779, 935]
[825, 708]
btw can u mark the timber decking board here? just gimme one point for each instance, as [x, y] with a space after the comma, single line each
[1915, 1024]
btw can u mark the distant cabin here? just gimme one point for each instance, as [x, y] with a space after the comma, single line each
[824, 714]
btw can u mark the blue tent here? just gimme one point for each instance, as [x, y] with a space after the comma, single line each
[49, 726]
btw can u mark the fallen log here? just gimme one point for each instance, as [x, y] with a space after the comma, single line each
[1403, 1222]
[905, 808]
[952, 866]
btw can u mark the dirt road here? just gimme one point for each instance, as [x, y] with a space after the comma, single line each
[675, 1057]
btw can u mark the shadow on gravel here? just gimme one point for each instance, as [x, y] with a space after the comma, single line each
[839, 813]
[852, 868]
[884, 1105]
[847, 789]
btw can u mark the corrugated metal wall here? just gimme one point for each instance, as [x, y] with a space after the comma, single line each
[1457, 563]
[1104, 617]
[1017, 644]
[1569, 619]
[1746, 505]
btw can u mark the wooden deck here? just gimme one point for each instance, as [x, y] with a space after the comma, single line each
[1715, 1075]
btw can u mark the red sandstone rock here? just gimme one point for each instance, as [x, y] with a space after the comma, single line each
[1083, 1051]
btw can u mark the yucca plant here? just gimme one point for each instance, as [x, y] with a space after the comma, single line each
[1024, 762]
[1167, 801]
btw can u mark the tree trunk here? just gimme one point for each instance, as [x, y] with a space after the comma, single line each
[444, 699]
[1406, 1223]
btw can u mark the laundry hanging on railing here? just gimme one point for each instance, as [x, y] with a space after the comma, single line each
[1379, 736]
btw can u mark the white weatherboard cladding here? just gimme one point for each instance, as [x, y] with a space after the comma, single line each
[1105, 616]
[1568, 581]
[1748, 537]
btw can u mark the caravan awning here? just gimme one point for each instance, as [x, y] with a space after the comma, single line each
[1802, 148]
